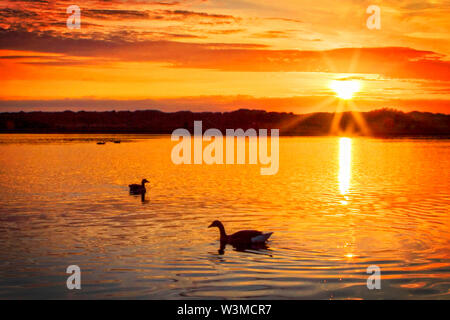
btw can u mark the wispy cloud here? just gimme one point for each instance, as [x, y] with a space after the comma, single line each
[394, 62]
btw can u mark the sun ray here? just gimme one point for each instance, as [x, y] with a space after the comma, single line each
[345, 165]
[285, 126]
[354, 61]
[360, 121]
[336, 119]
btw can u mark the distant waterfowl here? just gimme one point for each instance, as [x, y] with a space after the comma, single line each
[116, 141]
[244, 237]
[138, 188]
[101, 142]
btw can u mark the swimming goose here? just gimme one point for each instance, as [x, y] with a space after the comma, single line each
[138, 188]
[241, 237]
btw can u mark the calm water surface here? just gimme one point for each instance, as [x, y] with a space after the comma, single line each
[336, 206]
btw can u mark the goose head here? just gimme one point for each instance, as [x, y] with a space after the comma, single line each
[216, 223]
[144, 181]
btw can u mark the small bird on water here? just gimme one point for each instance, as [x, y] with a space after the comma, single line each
[244, 237]
[138, 188]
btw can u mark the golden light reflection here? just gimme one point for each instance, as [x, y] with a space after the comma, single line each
[345, 165]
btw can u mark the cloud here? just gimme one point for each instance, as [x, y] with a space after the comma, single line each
[115, 14]
[16, 13]
[151, 14]
[395, 62]
[187, 13]
[225, 31]
[21, 57]
[272, 34]
[37, 14]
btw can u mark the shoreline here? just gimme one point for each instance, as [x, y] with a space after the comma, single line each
[384, 123]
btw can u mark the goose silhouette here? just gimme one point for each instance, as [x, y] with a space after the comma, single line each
[138, 188]
[244, 237]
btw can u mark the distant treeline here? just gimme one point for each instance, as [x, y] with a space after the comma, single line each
[383, 122]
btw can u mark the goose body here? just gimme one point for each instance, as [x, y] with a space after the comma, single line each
[244, 237]
[138, 188]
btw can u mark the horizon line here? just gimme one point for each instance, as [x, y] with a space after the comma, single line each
[228, 111]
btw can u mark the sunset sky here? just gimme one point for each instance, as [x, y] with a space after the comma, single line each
[219, 55]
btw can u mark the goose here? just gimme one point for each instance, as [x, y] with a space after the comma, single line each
[138, 188]
[244, 237]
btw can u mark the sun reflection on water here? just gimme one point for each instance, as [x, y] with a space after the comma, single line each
[345, 166]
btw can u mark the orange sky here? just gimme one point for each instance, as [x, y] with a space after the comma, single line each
[223, 54]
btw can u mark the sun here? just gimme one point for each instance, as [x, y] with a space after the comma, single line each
[345, 88]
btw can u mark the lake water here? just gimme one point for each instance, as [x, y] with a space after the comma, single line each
[336, 206]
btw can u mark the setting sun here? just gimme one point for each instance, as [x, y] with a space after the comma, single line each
[345, 89]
